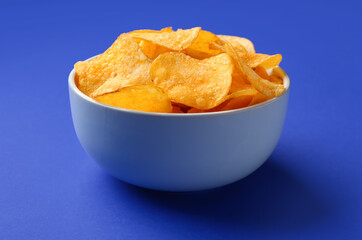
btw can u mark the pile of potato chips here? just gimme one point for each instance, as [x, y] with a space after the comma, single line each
[183, 71]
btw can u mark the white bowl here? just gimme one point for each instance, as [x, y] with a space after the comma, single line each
[178, 152]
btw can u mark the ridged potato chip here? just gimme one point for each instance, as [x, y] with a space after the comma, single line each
[264, 86]
[202, 84]
[239, 44]
[175, 40]
[147, 98]
[254, 60]
[123, 64]
[202, 47]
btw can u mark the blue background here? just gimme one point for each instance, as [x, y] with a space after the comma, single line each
[310, 188]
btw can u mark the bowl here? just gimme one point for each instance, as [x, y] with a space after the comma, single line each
[178, 152]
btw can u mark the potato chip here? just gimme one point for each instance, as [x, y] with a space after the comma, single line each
[277, 71]
[263, 60]
[239, 82]
[277, 75]
[237, 102]
[176, 109]
[202, 47]
[244, 92]
[262, 85]
[202, 84]
[148, 48]
[239, 44]
[124, 64]
[263, 73]
[276, 79]
[167, 29]
[144, 31]
[176, 40]
[238, 48]
[152, 50]
[184, 108]
[233, 102]
[147, 98]
[183, 71]
[258, 98]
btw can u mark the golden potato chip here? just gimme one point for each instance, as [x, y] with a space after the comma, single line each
[229, 104]
[258, 98]
[245, 92]
[263, 73]
[277, 75]
[167, 29]
[123, 64]
[144, 31]
[263, 60]
[276, 79]
[148, 48]
[239, 82]
[202, 84]
[262, 85]
[202, 47]
[239, 49]
[152, 50]
[233, 101]
[147, 98]
[277, 71]
[176, 40]
[237, 102]
[239, 44]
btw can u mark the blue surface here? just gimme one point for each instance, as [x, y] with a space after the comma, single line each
[310, 188]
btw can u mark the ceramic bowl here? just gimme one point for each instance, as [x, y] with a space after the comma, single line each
[178, 152]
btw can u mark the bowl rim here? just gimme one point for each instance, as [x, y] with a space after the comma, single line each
[75, 89]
